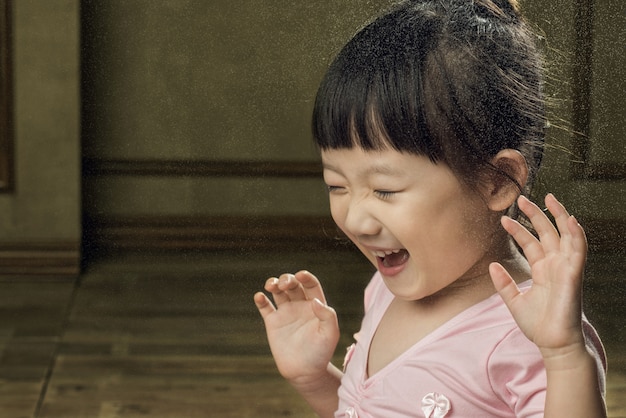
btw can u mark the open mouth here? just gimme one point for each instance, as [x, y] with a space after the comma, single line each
[392, 258]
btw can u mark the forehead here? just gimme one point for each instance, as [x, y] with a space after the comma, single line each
[362, 162]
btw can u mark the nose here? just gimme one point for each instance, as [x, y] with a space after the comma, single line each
[359, 221]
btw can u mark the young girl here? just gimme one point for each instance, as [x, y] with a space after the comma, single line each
[430, 123]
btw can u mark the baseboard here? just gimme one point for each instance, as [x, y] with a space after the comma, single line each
[40, 258]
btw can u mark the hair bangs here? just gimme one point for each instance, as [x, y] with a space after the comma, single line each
[343, 116]
[372, 95]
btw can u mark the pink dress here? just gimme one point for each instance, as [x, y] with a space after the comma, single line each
[478, 364]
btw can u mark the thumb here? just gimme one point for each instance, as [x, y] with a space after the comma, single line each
[263, 304]
[504, 283]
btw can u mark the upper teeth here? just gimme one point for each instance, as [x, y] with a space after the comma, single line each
[380, 253]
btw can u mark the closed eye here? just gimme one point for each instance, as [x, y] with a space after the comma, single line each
[384, 194]
[334, 189]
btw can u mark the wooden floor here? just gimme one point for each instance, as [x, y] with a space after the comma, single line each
[179, 336]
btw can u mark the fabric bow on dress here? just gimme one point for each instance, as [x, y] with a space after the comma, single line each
[351, 413]
[435, 405]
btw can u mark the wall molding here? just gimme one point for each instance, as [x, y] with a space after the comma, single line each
[40, 258]
[236, 233]
[6, 99]
[211, 233]
[582, 79]
[200, 168]
[582, 91]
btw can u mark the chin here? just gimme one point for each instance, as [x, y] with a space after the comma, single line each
[407, 293]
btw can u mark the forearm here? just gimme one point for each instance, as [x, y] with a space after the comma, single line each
[321, 392]
[573, 389]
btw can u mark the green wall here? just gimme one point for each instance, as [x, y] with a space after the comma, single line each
[45, 206]
[229, 80]
[234, 80]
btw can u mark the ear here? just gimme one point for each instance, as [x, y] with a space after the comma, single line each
[503, 184]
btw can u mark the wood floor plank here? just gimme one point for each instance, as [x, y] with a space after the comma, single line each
[169, 386]
[18, 399]
[179, 336]
[33, 309]
[32, 314]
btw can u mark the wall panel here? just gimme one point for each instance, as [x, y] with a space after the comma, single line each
[40, 220]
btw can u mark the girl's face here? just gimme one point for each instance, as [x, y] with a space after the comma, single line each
[413, 219]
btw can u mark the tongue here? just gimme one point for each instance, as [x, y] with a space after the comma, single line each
[396, 259]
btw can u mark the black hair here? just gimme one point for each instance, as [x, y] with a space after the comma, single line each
[454, 80]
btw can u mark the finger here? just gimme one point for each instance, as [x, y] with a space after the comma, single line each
[548, 235]
[573, 238]
[263, 304]
[559, 213]
[271, 286]
[291, 287]
[561, 217]
[579, 242]
[326, 314]
[533, 250]
[504, 283]
[311, 286]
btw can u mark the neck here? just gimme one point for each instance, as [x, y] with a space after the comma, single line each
[476, 285]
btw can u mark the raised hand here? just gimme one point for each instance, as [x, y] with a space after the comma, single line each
[302, 330]
[550, 313]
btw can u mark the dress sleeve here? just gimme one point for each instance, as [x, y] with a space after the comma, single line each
[371, 290]
[517, 375]
[370, 295]
[595, 347]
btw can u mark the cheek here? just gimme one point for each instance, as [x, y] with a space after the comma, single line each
[338, 212]
[442, 229]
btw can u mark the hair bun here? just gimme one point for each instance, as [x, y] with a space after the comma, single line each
[508, 9]
[514, 4]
